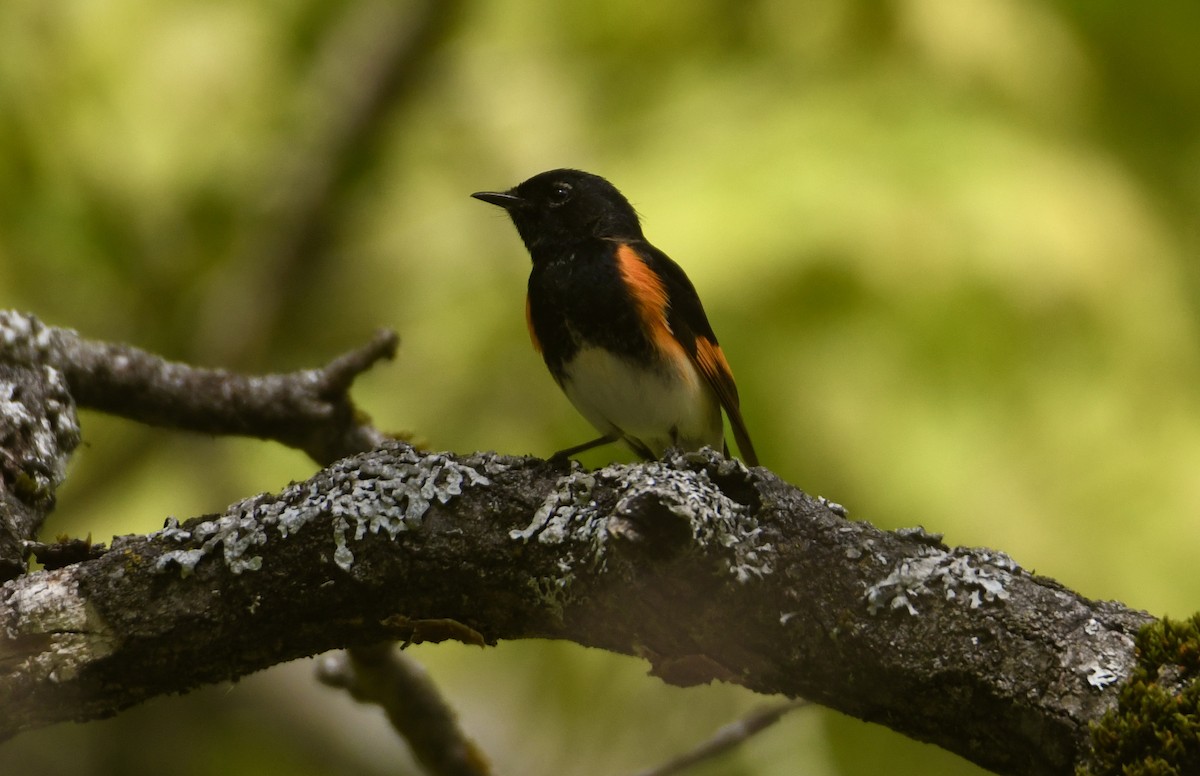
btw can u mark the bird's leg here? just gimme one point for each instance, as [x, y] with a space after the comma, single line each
[563, 455]
[643, 452]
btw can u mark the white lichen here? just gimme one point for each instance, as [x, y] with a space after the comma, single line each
[570, 499]
[957, 575]
[1099, 676]
[1104, 656]
[570, 518]
[47, 433]
[13, 411]
[17, 327]
[24, 338]
[833, 507]
[50, 604]
[369, 496]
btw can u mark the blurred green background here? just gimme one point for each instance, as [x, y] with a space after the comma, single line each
[949, 247]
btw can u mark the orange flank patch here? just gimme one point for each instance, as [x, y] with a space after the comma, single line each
[537, 345]
[650, 297]
[652, 301]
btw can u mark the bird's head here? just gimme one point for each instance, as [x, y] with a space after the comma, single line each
[560, 207]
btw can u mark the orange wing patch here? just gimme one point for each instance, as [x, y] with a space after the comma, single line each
[537, 345]
[710, 360]
[650, 297]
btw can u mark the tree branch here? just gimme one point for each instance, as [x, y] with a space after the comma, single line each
[707, 570]
[372, 62]
[309, 410]
[38, 432]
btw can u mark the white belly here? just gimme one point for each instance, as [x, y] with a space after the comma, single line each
[658, 409]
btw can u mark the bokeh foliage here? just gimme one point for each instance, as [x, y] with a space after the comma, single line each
[950, 249]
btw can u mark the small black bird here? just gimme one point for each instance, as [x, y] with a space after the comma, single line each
[618, 322]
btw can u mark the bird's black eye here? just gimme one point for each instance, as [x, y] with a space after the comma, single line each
[560, 193]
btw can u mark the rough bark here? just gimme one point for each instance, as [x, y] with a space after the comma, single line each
[707, 570]
[310, 409]
[38, 432]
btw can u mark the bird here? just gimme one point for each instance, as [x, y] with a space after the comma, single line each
[617, 321]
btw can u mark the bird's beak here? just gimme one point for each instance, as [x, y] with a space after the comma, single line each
[500, 198]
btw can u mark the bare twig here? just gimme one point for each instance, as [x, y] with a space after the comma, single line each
[382, 675]
[726, 738]
[309, 410]
[372, 61]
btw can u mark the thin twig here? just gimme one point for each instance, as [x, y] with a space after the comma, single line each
[372, 62]
[726, 738]
[382, 675]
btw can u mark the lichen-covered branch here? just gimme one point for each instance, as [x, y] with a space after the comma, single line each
[309, 410]
[38, 432]
[707, 570]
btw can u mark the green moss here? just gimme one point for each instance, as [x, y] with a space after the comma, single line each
[1155, 728]
[31, 490]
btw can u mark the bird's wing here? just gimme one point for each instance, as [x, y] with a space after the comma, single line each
[664, 286]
